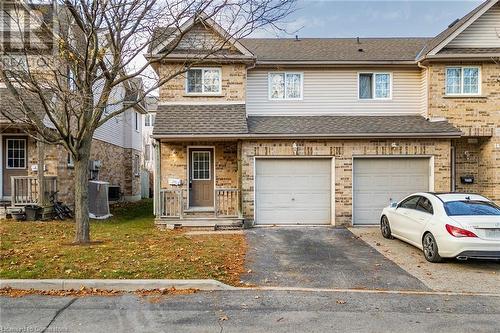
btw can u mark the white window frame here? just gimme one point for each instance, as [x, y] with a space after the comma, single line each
[70, 161]
[7, 154]
[374, 86]
[209, 164]
[462, 77]
[136, 121]
[269, 86]
[203, 69]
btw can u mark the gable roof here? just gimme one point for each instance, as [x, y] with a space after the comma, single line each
[348, 50]
[159, 43]
[440, 41]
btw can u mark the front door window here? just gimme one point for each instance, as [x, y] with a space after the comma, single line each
[201, 165]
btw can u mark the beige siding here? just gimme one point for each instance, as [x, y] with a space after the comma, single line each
[335, 91]
[484, 32]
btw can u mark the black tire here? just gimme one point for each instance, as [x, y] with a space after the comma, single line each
[430, 248]
[385, 228]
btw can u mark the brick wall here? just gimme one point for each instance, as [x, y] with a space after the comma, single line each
[116, 168]
[174, 163]
[343, 151]
[233, 85]
[477, 117]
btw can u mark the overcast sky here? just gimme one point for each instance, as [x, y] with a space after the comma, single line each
[329, 18]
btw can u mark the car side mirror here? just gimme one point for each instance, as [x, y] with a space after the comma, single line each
[394, 205]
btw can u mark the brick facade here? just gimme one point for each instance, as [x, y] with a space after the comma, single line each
[110, 155]
[478, 153]
[174, 163]
[233, 85]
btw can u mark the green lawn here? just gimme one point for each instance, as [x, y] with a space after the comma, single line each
[132, 248]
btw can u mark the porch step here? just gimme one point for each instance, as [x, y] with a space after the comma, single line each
[216, 223]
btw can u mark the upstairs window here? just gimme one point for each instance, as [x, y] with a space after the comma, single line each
[285, 86]
[149, 120]
[374, 86]
[462, 81]
[203, 81]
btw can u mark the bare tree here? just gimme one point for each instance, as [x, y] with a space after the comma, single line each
[94, 47]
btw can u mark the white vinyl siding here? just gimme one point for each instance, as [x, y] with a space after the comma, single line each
[483, 33]
[463, 80]
[335, 91]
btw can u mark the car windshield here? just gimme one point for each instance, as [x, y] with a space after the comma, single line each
[471, 207]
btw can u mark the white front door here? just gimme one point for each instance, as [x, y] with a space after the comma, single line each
[293, 191]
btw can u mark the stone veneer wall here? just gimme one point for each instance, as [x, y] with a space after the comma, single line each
[117, 168]
[233, 85]
[475, 116]
[174, 165]
[173, 162]
[343, 151]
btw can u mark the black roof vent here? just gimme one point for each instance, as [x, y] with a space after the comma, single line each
[453, 23]
[357, 40]
[297, 38]
[361, 50]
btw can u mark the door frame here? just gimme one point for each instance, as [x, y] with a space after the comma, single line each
[332, 184]
[188, 173]
[2, 135]
[431, 173]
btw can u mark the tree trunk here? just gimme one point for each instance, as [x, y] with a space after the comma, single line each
[82, 225]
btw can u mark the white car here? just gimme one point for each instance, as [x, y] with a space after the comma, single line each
[445, 225]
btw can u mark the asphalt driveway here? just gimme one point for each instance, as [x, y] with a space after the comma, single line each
[320, 257]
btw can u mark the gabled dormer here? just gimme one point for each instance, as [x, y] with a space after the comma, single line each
[211, 61]
[476, 35]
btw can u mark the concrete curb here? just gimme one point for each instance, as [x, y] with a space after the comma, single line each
[122, 285]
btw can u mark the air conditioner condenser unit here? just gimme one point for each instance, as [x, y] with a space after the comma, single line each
[98, 200]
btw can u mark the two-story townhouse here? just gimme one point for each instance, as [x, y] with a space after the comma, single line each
[117, 144]
[307, 131]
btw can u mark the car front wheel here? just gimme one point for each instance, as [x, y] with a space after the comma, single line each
[430, 248]
[385, 228]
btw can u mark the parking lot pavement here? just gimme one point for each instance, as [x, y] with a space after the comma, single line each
[320, 257]
[451, 275]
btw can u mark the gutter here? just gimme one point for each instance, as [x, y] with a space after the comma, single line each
[329, 62]
[444, 135]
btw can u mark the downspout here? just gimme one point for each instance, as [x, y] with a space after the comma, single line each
[427, 78]
[157, 179]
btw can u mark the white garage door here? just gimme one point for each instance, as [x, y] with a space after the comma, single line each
[293, 191]
[378, 180]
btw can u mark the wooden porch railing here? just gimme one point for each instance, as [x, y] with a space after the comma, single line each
[227, 202]
[24, 189]
[171, 203]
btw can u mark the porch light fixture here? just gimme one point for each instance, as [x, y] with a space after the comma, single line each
[295, 148]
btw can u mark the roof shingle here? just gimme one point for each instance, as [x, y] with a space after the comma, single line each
[200, 119]
[347, 125]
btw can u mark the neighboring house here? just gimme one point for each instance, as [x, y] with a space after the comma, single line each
[117, 145]
[151, 103]
[325, 131]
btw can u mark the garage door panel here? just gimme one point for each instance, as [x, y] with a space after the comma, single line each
[293, 191]
[378, 180]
